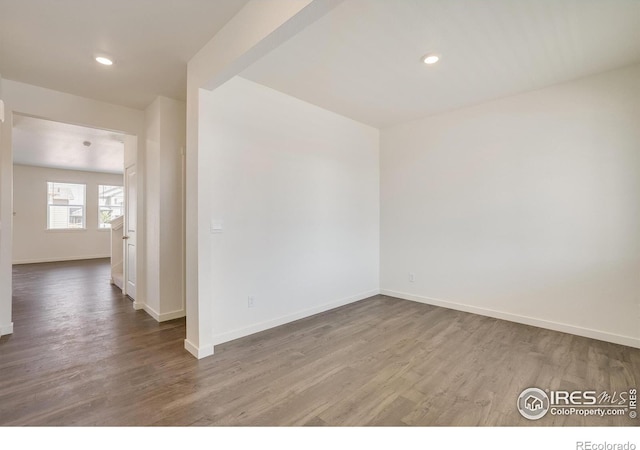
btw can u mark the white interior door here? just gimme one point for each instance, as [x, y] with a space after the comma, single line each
[130, 224]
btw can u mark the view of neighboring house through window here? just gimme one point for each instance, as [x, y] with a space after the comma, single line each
[65, 206]
[110, 204]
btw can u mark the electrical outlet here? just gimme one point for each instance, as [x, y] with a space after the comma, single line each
[412, 277]
[251, 302]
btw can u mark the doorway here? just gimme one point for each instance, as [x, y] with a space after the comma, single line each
[69, 184]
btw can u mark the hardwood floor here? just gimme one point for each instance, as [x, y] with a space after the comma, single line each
[80, 355]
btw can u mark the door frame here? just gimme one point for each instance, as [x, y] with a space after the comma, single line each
[127, 219]
[6, 154]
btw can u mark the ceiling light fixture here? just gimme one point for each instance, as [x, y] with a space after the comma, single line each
[87, 143]
[104, 60]
[430, 58]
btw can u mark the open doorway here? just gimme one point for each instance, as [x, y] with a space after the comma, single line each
[70, 185]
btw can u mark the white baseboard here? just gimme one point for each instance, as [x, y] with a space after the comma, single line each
[164, 317]
[533, 321]
[59, 259]
[160, 317]
[137, 305]
[152, 312]
[198, 352]
[262, 326]
[6, 329]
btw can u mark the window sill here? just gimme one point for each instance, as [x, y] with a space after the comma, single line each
[65, 230]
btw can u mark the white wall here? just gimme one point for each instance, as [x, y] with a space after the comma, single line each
[32, 242]
[166, 135]
[525, 208]
[62, 107]
[259, 27]
[296, 188]
[152, 186]
[173, 142]
[6, 208]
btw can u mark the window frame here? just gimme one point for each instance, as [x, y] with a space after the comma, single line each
[83, 206]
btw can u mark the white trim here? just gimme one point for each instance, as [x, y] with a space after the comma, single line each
[161, 317]
[59, 259]
[262, 326]
[533, 321]
[164, 317]
[137, 305]
[198, 352]
[6, 329]
[152, 312]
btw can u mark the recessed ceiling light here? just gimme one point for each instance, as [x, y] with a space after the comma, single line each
[430, 58]
[104, 60]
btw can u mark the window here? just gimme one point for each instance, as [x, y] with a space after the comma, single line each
[65, 206]
[110, 204]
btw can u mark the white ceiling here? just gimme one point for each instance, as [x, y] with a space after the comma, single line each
[363, 59]
[44, 143]
[52, 43]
